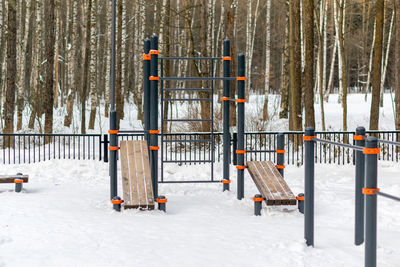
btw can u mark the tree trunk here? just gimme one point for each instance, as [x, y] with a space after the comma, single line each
[92, 68]
[397, 67]
[267, 58]
[9, 104]
[49, 81]
[309, 63]
[376, 73]
[119, 99]
[385, 62]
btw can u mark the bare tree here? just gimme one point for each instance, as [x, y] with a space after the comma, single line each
[49, 81]
[309, 63]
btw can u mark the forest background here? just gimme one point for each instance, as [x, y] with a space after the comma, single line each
[55, 54]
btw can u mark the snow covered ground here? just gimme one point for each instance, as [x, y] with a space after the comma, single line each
[64, 218]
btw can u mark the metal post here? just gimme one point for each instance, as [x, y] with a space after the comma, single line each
[226, 134]
[105, 147]
[371, 172]
[300, 202]
[258, 199]
[309, 186]
[18, 183]
[113, 154]
[154, 112]
[240, 126]
[359, 184]
[116, 201]
[280, 150]
[161, 200]
[234, 147]
[146, 87]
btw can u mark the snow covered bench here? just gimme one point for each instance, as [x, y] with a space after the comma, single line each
[273, 188]
[18, 180]
[136, 176]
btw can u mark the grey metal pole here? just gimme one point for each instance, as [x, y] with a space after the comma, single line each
[146, 87]
[258, 199]
[116, 201]
[113, 153]
[105, 147]
[240, 126]
[112, 67]
[309, 186]
[371, 152]
[359, 184]
[234, 148]
[154, 112]
[300, 202]
[280, 150]
[162, 201]
[226, 134]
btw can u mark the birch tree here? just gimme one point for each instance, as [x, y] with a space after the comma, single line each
[267, 58]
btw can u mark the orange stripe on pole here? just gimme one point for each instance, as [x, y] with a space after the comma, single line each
[369, 191]
[371, 151]
[241, 100]
[154, 52]
[154, 147]
[113, 148]
[358, 137]
[300, 198]
[164, 200]
[258, 199]
[280, 167]
[154, 131]
[240, 167]
[226, 58]
[154, 78]
[280, 151]
[146, 57]
[240, 151]
[240, 78]
[18, 181]
[116, 201]
[225, 98]
[308, 138]
[225, 181]
[113, 131]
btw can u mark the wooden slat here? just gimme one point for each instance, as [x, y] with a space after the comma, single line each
[6, 179]
[136, 177]
[270, 183]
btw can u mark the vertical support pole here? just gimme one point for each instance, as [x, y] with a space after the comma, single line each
[280, 151]
[105, 147]
[240, 126]
[300, 202]
[113, 153]
[154, 112]
[162, 203]
[359, 184]
[146, 88]
[234, 148]
[116, 201]
[226, 134]
[371, 173]
[309, 186]
[258, 199]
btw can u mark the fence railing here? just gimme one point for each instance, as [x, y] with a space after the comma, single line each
[30, 148]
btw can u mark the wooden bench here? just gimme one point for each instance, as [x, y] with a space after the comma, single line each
[136, 176]
[18, 180]
[273, 188]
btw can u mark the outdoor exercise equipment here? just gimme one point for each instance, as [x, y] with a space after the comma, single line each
[18, 180]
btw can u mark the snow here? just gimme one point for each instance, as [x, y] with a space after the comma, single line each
[64, 218]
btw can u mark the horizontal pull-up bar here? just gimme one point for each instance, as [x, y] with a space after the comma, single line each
[358, 148]
[187, 89]
[187, 120]
[187, 99]
[260, 151]
[190, 58]
[197, 78]
[389, 142]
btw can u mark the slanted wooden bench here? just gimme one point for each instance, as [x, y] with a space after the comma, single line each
[273, 188]
[136, 176]
[18, 180]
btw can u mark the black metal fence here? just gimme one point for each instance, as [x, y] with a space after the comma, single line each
[30, 148]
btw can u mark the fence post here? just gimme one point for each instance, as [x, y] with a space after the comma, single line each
[113, 153]
[359, 184]
[226, 135]
[240, 127]
[154, 112]
[309, 186]
[105, 147]
[146, 88]
[280, 151]
[371, 172]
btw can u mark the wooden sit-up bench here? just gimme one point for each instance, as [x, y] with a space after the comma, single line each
[136, 176]
[18, 180]
[273, 188]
